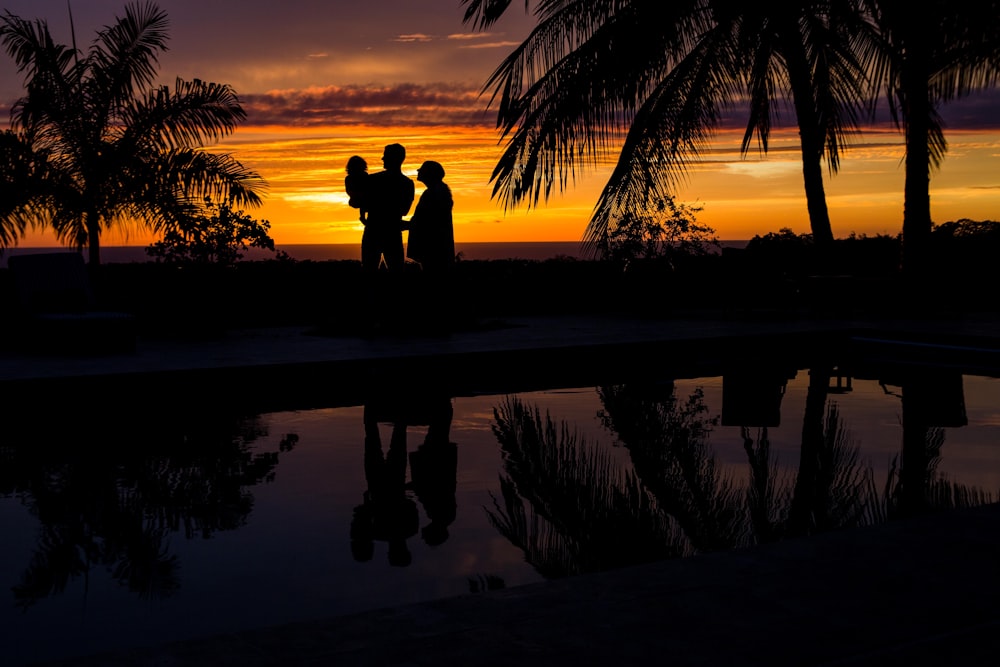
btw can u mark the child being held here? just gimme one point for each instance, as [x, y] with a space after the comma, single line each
[356, 184]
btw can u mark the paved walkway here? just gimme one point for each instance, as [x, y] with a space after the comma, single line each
[916, 592]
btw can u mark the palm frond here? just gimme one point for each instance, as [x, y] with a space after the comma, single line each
[125, 55]
[484, 13]
[194, 114]
[672, 128]
[583, 513]
[48, 68]
[566, 95]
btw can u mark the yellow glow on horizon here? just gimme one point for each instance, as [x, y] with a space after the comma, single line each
[739, 197]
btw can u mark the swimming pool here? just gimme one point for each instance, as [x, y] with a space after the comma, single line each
[172, 521]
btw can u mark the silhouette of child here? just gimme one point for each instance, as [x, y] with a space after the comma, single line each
[356, 184]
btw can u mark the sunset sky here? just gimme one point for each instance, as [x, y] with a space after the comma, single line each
[323, 81]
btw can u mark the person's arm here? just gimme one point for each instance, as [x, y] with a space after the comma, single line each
[406, 197]
[418, 214]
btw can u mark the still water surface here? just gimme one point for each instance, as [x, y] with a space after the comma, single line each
[129, 532]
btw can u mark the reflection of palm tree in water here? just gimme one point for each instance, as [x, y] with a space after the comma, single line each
[560, 498]
[554, 499]
[832, 488]
[931, 400]
[388, 513]
[115, 505]
[765, 490]
[667, 440]
[565, 505]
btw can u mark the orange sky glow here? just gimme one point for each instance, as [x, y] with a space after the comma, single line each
[739, 197]
[321, 84]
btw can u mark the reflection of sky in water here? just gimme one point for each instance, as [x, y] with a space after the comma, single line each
[292, 560]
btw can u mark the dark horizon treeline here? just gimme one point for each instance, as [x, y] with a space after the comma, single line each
[773, 276]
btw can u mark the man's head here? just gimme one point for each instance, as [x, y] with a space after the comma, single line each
[393, 156]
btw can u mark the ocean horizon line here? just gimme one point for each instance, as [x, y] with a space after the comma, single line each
[472, 250]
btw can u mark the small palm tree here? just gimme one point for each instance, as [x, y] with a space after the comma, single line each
[657, 80]
[109, 149]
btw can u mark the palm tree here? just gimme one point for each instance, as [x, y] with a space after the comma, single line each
[669, 72]
[23, 187]
[113, 149]
[945, 51]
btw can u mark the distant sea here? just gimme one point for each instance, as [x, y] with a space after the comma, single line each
[540, 250]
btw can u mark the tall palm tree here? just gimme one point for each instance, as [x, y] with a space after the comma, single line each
[669, 72]
[945, 51]
[116, 149]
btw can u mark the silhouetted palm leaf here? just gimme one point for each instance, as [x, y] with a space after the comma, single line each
[566, 505]
[768, 493]
[667, 440]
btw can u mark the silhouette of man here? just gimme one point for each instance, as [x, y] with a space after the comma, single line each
[387, 514]
[390, 198]
[390, 195]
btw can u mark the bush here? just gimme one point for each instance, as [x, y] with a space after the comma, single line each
[221, 236]
[664, 234]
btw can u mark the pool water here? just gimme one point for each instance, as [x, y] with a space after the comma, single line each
[137, 529]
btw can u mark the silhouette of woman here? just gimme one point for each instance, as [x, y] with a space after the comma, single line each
[433, 471]
[431, 241]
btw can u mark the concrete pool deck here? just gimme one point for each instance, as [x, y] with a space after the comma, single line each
[923, 591]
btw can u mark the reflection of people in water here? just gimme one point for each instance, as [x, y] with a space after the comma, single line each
[433, 469]
[388, 514]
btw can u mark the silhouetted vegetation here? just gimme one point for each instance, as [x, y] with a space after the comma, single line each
[566, 506]
[95, 144]
[666, 233]
[116, 506]
[572, 509]
[221, 235]
[772, 277]
[661, 80]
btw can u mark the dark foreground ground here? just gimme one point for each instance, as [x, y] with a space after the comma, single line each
[170, 301]
[916, 592]
[921, 591]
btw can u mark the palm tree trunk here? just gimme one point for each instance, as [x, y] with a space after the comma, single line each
[812, 176]
[94, 239]
[802, 515]
[916, 190]
[811, 145]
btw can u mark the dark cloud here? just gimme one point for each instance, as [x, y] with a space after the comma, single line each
[979, 111]
[461, 105]
[257, 45]
[408, 104]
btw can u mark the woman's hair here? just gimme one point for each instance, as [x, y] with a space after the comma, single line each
[432, 169]
[356, 164]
